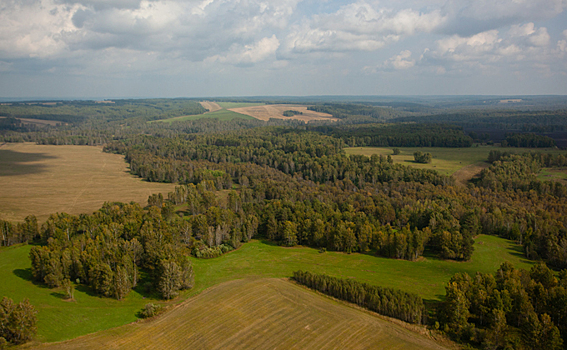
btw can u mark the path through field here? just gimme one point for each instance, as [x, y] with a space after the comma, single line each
[257, 314]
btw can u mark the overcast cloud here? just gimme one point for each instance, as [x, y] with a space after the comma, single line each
[138, 48]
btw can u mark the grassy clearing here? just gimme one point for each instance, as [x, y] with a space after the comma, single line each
[426, 277]
[59, 319]
[228, 105]
[553, 174]
[258, 314]
[42, 180]
[445, 160]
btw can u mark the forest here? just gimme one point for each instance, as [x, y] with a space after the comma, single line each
[293, 184]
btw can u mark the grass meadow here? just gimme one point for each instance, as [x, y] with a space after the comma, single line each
[45, 179]
[60, 319]
[446, 161]
[257, 314]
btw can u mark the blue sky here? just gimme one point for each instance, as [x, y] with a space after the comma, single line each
[157, 48]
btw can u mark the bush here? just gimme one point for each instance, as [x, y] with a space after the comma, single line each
[150, 310]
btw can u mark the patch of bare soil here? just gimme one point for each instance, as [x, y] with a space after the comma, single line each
[267, 112]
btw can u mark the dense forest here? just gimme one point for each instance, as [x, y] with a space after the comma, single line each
[512, 309]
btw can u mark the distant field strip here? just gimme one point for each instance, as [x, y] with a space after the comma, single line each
[267, 112]
[42, 180]
[257, 314]
[220, 114]
[447, 161]
[211, 106]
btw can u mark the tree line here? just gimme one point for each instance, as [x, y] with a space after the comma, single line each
[390, 302]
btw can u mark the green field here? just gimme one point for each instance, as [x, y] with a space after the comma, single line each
[60, 319]
[227, 105]
[222, 114]
[257, 314]
[446, 161]
[553, 174]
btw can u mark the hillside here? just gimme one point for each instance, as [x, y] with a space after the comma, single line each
[256, 314]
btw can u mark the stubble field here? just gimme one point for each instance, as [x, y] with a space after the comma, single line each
[257, 314]
[267, 112]
[41, 180]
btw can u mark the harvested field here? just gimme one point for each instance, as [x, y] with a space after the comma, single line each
[267, 112]
[257, 314]
[211, 106]
[42, 180]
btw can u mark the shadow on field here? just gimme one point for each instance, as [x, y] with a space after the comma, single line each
[85, 289]
[59, 295]
[13, 163]
[518, 251]
[27, 275]
[268, 242]
[24, 274]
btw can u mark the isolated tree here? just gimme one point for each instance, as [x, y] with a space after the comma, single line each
[17, 321]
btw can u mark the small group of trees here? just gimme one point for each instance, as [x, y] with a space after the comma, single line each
[106, 250]
[405, 306]
[17, 321]
[422, 157]
[291, 113]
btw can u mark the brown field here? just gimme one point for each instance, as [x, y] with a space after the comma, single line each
[42, 180]
[256, 314]
[211, 106]
[267, 112]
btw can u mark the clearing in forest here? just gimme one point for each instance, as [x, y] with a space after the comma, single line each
[257, 314]
[447, 161]
[267, 112]
[45, 179]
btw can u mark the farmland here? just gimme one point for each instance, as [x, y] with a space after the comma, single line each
[60, 319]
[266, 112]
[254, 313]
[216, 110]
[42, 180]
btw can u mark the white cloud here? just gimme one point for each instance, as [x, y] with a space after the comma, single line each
[358, 26]
[520, 42]
[249, 54]
[402, 61]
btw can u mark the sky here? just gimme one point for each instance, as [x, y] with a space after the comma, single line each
[207, 48]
